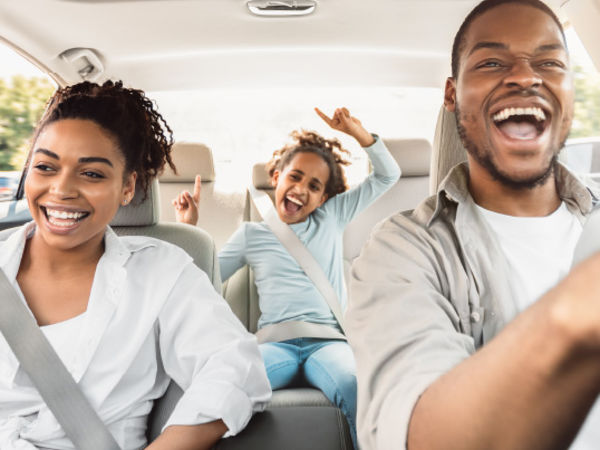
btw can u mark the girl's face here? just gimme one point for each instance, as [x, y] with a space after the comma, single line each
[300, 187]
[75, 183]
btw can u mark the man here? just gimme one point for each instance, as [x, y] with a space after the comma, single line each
[464, 334]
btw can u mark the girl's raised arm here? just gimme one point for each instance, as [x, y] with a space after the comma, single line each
[344, 122]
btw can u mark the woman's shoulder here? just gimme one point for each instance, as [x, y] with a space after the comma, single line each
[146, 248]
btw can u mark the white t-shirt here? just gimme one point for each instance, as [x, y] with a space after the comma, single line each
[539, 251]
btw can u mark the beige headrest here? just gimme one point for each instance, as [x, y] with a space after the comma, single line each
[190, 159]
[260, 177]
[412, 155]
[140, 212]
[448, 150]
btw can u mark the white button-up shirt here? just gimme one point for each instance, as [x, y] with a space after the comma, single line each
[152, 316]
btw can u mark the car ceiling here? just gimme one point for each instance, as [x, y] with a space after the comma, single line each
[193, 44]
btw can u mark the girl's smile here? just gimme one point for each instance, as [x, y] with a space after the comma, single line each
[300, 187]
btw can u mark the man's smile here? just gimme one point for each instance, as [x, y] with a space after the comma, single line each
[521, 123]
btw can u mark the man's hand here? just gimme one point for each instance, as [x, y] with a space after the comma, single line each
[186, 204]
[344, 122]
[576, 305]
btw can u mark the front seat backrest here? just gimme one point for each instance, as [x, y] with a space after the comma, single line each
[413, 156]
[220, 209]
[140, 217]
[190, 159]
[448, 150]
[240, 290]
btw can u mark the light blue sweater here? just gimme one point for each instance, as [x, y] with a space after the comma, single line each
[285, 292]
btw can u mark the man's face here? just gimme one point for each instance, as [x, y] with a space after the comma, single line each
[513, 96]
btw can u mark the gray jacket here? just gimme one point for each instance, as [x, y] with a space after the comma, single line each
[429, 288]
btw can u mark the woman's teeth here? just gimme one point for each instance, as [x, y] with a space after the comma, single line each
[64, 219]
[64, 214]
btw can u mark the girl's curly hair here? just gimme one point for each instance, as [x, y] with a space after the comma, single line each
[330, 150]
[131, 118]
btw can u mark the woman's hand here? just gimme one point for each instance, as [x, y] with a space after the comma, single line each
[344, 122]
[186, 204]
[190, 437]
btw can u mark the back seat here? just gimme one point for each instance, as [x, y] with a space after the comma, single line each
[413, 156]
[240, 292]
[284, 425]
[299, 418]
[220, 213]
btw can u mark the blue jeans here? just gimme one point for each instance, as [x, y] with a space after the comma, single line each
[327, 365]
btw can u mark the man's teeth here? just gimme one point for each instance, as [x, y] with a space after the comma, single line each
[538, 113]
[294, 200]
[64, 214]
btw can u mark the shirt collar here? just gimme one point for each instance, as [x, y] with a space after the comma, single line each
[11, 250]
[455, 188]
[116, 250]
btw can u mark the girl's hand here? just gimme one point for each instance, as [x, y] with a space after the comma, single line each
[186, 204]
[344, 122]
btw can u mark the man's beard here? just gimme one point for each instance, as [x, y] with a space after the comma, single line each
[507, 179]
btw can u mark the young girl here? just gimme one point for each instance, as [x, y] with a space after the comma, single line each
[124, 314]
[310, 197]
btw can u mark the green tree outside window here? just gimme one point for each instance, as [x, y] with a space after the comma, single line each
[22, 102]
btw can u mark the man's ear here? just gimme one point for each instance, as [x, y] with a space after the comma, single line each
[275, 178]
[450, 95]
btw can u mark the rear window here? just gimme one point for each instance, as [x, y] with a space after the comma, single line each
[582, 150]
[243, 127]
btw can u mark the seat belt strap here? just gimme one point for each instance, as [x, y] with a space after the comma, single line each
[55, 384]
[293, 329]
[299, 252]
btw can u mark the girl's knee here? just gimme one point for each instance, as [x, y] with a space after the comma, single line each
[346, 381]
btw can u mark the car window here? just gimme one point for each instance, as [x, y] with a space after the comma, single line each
[582, 150]
[243, 127]
[24, 90]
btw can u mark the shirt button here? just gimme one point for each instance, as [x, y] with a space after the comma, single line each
[475, 316]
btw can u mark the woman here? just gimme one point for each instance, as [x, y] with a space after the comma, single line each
[124, 314]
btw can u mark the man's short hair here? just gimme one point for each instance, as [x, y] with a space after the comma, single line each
[485, 5]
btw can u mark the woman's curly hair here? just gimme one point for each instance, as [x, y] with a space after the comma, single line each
[140, 131]
[330, 150]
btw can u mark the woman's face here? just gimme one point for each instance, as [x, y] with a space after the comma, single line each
[75, 183]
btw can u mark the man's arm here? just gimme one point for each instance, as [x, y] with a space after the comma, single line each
[530, 387]
[420, 378]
